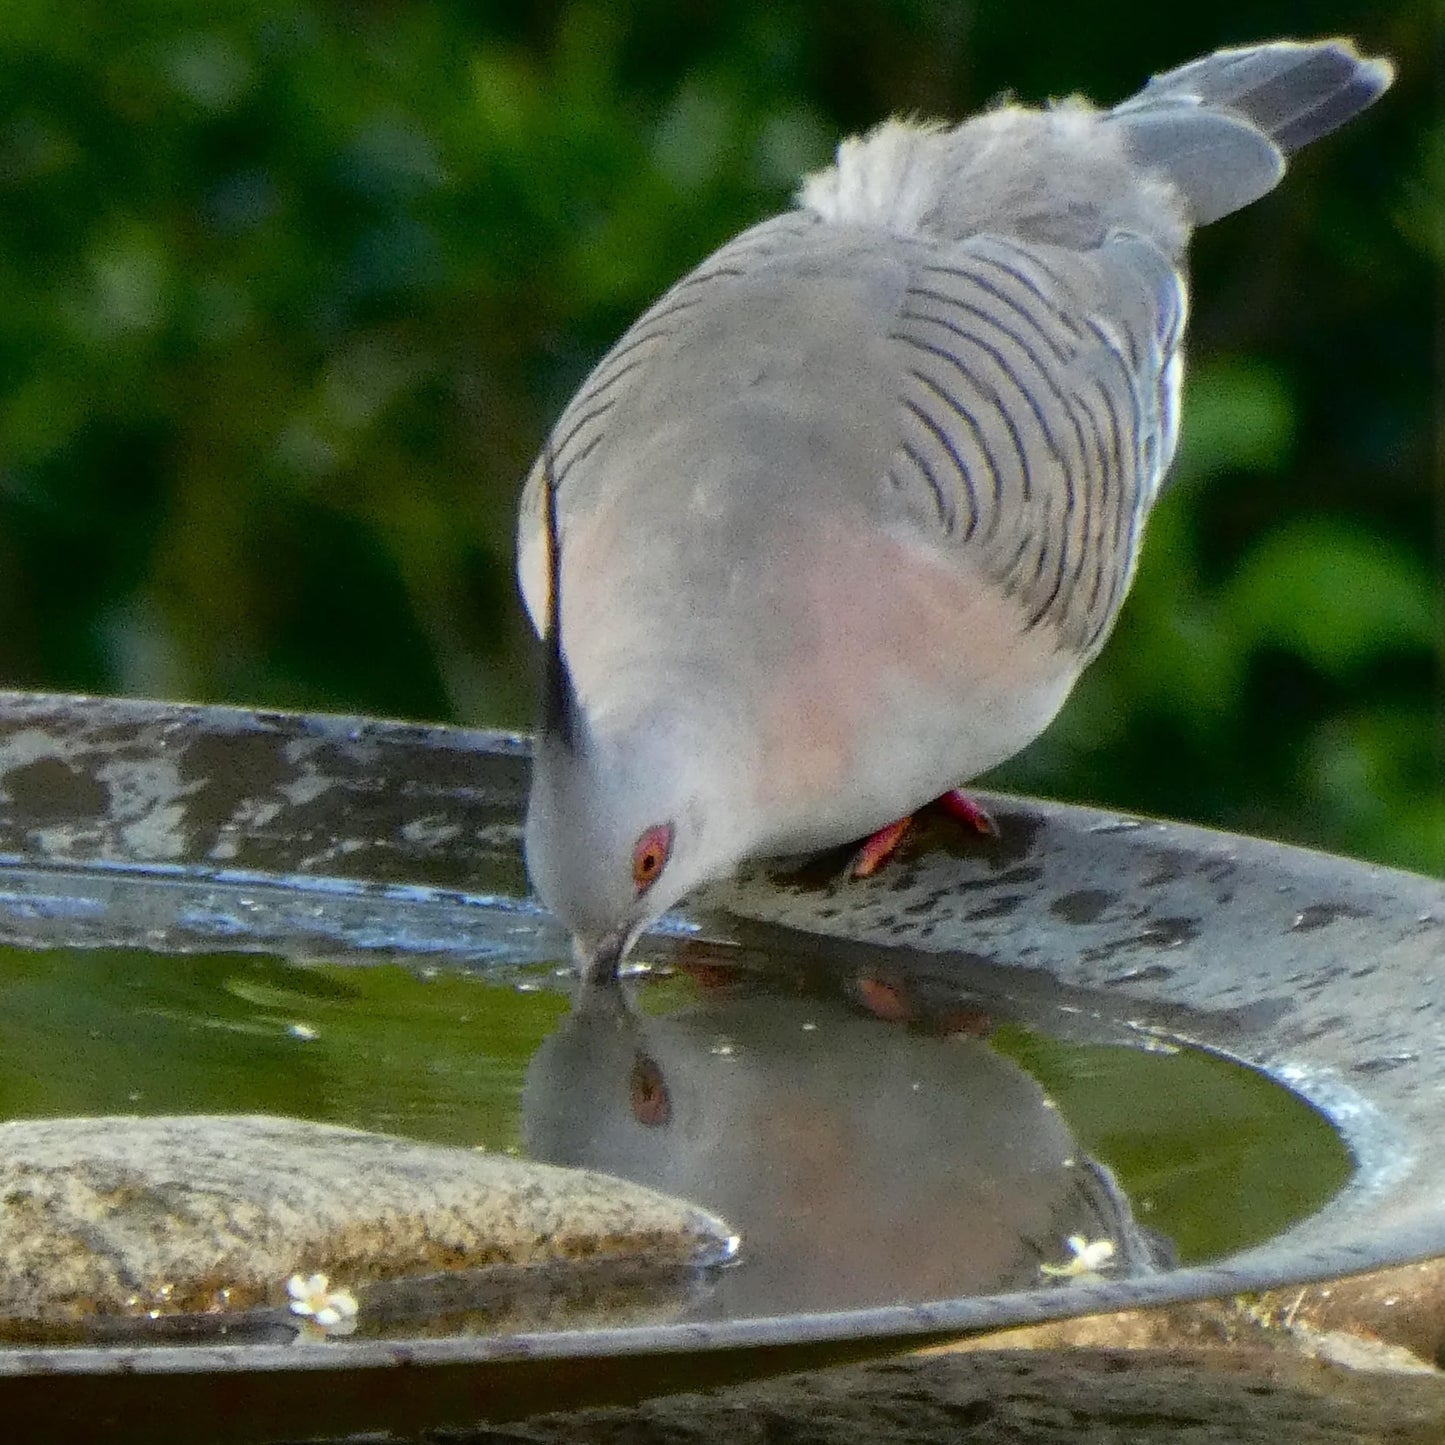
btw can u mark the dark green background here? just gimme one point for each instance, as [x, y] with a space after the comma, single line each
[290, 292]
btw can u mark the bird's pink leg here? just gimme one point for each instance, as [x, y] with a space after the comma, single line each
[880, 847]
[963, 808]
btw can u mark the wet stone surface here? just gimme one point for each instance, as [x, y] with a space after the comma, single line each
[132, 1219]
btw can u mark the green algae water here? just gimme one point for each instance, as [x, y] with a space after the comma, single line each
[1215, 1155]
[437, 1055]
[1211, 1156]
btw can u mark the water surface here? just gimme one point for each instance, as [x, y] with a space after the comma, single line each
[873, 1142]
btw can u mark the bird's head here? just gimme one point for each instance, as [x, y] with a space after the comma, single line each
[630, 805]
[620, 825]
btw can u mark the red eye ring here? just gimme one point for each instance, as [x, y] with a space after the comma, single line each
[650, 855]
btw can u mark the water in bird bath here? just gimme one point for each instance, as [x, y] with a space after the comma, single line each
[877, 1063]
[871, 1141]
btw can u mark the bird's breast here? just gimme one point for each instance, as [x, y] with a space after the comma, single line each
[907, 672]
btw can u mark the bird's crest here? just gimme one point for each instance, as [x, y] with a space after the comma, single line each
[561, 713]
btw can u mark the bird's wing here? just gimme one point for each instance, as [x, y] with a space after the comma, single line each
[1013, 403]
[1038, 403]
[718, 355]
[977, 328]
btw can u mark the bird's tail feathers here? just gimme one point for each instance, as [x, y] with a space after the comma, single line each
[1195, 144]
[1220, 128]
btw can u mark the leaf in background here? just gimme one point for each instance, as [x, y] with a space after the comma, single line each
[1237, 412]
[1375, 775]
[1337, 596]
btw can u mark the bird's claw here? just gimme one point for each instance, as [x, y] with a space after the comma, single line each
[960, 806]
[879, 847]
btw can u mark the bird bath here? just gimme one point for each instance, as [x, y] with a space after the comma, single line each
[1104, 990]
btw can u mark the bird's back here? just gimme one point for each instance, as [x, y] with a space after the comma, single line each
[964, 345]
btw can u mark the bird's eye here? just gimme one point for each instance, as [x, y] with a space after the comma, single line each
[650, 856]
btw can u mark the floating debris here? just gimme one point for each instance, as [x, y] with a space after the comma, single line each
[1090, 1256]
[324, 1311]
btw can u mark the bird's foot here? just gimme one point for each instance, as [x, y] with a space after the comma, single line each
[882, 845]
[963, 809]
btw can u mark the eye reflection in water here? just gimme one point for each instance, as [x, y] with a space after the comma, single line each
[863, 1161]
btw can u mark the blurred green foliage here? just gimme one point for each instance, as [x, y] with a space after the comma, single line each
[290, 290]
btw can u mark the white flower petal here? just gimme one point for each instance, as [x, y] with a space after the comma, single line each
[308, 1293]
[1090, 1256]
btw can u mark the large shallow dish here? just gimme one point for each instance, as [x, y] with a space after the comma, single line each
[190, 827]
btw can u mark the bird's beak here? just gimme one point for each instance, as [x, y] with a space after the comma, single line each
[597, 960]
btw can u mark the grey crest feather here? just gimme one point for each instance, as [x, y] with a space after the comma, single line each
[561, 712]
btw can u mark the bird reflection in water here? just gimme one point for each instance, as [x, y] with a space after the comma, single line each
[867, 1157]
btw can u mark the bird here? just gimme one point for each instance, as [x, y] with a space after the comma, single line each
[837, 523]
